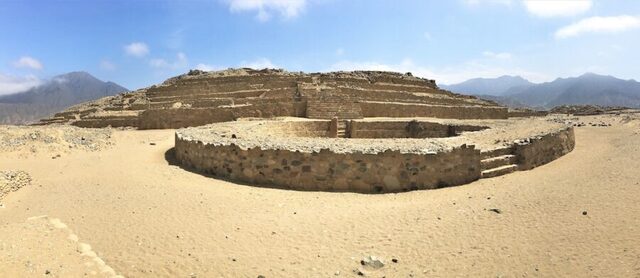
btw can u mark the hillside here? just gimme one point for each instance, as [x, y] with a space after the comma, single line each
[489, 86]
[60, 92]
[587, 89]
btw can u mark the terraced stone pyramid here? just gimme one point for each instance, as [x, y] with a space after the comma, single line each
[199, 98]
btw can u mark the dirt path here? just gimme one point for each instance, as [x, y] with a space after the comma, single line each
[145, 218]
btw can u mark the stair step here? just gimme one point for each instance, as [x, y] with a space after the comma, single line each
[496, 152]
[494, 162]
[499, 171]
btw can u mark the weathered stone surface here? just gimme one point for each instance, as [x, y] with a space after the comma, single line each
[199, 98]
[299, 154]
[12, 180]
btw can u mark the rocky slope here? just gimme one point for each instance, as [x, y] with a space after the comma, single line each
[489, 86]
[55, 95]
[587, 89]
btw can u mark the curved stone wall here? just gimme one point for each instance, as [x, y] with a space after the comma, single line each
[537, 151]
[278, 154]
[389, 171]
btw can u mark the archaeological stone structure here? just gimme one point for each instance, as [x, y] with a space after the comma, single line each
[200, 98]
[369, 156]
[362, 131]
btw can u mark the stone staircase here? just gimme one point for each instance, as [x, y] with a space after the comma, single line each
[498, 162]
[342, 129]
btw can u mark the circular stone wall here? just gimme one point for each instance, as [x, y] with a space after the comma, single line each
[425, 154]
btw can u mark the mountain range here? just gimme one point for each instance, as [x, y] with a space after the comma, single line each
[53, 96]
[589, 88]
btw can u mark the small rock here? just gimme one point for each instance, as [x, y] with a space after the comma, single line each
[372, 261]
[337, 273]
[152, 144]
[584, 212]
[394, 260]
[47, 272]
[261, 276]
[498, 211]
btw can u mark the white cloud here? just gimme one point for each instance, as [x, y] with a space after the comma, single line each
[60, 80]
[478, 2]
[264, 8]
[258, 64]
[158, 63]
[107, 65]
[206, 67]
[15, 84]
[136, 49]
[499, 56]
[447, 75]
[181, 61]
[555, 8]
[28, 62]
[597, 24]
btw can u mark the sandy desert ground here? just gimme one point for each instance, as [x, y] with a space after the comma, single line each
[110, 202]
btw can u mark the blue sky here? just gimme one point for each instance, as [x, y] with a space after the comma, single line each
[140, 43]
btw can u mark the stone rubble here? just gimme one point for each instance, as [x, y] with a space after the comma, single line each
[13, 180]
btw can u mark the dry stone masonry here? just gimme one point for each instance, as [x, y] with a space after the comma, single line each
[200, 98]
[362, 131]
[375, 156]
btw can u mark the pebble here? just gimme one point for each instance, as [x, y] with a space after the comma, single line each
[372, 261]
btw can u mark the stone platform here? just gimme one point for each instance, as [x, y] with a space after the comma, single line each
[199, 98]
[371, 155]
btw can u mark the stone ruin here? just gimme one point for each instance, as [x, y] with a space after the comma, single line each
[362, 131]
[373, 155]
[200, 98]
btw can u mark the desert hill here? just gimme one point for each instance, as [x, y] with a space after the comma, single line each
[587, 89]
[55, 95]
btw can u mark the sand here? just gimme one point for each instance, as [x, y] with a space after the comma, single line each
[125, 210]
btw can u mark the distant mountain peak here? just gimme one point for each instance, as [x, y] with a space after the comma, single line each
[489, 86]
[58, 93]
[76, 75]
[512, 77]
[588, 88]
[592, 75]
